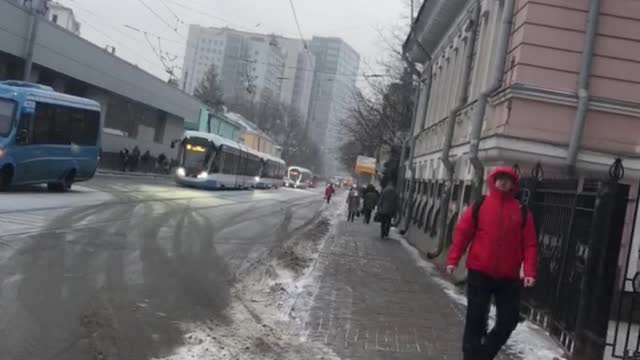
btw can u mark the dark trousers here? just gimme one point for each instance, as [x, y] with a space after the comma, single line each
[352, 216]
[328, 198]
[367, 216]
[477, 344]
[385, 225]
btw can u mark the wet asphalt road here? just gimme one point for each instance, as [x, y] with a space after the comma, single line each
[110, 270]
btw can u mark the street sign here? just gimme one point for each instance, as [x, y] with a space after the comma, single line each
[365, 165]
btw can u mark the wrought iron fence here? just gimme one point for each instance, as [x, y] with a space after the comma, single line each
[579, 224]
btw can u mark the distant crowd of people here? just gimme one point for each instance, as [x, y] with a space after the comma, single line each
[133, 161]
[365, 200]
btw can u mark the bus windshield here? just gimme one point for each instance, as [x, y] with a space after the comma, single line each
[7, 111]
[196, 155]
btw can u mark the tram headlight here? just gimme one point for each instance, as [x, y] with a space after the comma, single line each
[203, 175]
[2, 152]
[257, 178]
[181, 172]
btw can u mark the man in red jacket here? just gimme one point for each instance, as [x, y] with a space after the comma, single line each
[502, 239]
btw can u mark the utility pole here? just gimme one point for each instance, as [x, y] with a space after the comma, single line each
[38, 8]
[412, 14]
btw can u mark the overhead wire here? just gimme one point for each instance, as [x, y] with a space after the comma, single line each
[175, 29]
[116, 41]
[160, 60]
[178, 19]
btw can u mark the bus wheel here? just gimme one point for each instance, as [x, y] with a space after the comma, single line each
[6, 175]
[65, 184]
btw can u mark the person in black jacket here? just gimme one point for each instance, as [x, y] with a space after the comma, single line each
[387, 208]
[369, 202]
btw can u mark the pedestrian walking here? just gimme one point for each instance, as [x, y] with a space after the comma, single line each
[145, 159]
[124, 159]
[135, 158]
[328, 192]
[353, 203]
[387, 208]
[503, 239]
[369, 202]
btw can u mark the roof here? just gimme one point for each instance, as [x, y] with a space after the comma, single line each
[219, 140]
[248, 125]
[38, 92]
[301, 169]
[434, 19]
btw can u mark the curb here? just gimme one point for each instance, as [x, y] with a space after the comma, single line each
[132, 174]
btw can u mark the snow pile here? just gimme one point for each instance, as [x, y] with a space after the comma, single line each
[267, 316]
[528, 341]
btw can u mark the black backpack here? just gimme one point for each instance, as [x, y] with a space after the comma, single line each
[475, 211]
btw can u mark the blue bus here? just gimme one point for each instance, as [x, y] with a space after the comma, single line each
[46, 137]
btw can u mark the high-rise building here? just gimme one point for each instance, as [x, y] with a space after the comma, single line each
[298, 75]
[336, 71]
[250, 65]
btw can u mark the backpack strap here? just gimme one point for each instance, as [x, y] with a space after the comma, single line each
[475, 210]
[525, 214]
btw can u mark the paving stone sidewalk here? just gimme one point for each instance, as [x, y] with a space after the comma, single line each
[375, 302]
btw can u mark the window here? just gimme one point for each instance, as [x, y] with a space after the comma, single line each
[7, 113]
[64, 125]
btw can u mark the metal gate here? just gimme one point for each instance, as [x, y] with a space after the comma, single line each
[579, 223]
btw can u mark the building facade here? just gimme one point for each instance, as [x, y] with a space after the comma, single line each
[63, 16]
[298, 76]
[250, 65]
[335, 76]
[253, 137]
[523, 82]
[138, 109]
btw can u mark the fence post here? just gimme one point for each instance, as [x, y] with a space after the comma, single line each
[584, 347]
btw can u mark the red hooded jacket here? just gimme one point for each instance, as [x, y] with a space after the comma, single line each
[499, 242]
[329, 191]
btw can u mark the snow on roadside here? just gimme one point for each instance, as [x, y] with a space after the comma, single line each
[270, 305]
[528, 341]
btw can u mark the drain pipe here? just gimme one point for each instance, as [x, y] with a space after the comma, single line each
[583, 85]
[427, 89]
[402, 174]
[496, 82]
[451, 125]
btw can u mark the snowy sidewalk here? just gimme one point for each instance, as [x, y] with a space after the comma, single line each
[377, 300]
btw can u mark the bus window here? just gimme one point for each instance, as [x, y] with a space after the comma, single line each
[7, 113]
[85, 125]
[215, 163]
[195, 157]
[42, 124]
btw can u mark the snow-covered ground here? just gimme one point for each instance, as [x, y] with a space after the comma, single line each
[39, 198]
[267, 315]
[528, 341]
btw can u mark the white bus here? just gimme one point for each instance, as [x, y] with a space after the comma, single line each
[298, 177]
[274, 170]
[209, 161]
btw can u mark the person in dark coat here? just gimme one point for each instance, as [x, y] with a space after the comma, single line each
[353, 203]
[145, 159]
[369, 202]
[503, 240]
[388, 204]
[135, 158]
[124, 159]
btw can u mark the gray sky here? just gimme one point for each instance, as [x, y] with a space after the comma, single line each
[104, 23]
